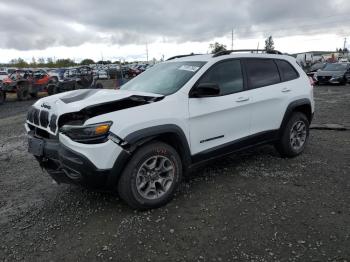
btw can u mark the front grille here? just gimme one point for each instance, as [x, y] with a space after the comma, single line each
[36, 116]
[323, 78]
[41, 118]
[30, 115]
[44, 118]
[53, 124]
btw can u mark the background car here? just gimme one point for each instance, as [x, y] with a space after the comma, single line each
[57, 74]
[26, 83]
[2, 95]
[75, 78]
[3, 75]
[102, 74]
[19, 82]
[314, 68]
[335, 73]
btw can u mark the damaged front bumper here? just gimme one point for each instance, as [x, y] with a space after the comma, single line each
[65, 165]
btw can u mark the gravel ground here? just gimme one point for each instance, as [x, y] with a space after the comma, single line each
[252, 206]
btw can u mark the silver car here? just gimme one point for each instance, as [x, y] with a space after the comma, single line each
[336, 73]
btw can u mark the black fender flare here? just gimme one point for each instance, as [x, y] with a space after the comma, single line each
[142, 136]
[292, 107]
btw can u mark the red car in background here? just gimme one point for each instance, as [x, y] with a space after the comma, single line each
[26, 83]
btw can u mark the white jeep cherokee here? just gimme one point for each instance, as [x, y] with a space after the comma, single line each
[139, 140]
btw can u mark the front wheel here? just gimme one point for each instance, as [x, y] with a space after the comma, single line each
[2, 97]
[151, 177]
[22, 92]
[294, 136]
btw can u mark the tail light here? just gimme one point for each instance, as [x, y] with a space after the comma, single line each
[312, 82]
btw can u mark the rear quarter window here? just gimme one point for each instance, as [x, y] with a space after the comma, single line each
[287, 71]
[261, 72]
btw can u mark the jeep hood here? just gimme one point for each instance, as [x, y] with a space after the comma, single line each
[75, 101]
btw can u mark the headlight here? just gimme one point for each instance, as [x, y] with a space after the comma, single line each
[90, 134]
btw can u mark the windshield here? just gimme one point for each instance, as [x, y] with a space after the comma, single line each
[336, 67]
[164, 78]
[317, 66]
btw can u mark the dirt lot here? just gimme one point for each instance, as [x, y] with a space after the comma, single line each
[252, 206]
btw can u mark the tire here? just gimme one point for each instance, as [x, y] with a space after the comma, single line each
[2, 97]
[51, 89]
[99, 86]
[294, 136]
[141, 189]
[22, 92]
[34, 94]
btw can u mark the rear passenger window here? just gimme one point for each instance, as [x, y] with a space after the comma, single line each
[286, 70]
[227, 74]
[261, 72]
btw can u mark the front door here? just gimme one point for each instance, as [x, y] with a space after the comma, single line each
[219, 120]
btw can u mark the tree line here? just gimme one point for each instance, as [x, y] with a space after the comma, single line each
[52, 63]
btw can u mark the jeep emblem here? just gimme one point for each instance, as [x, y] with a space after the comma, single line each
[47, 106]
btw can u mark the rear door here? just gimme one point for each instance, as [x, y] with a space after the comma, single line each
[272, 88]
[219, 120]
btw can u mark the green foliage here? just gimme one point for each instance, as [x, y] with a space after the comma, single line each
[40, 62]
[64, 63]
[269, 44]
[87, 61]
[217, 47]
[19, 62]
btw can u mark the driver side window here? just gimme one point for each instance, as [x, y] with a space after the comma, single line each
[227, 75]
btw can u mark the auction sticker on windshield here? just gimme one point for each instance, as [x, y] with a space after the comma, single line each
[189, 68]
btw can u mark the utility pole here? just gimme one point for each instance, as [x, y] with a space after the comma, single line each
[232, 39]
[344, 43]
[147, 51]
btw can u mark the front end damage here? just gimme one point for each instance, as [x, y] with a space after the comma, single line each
[55, 139]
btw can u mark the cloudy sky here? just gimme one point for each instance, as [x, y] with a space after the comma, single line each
[116, 29]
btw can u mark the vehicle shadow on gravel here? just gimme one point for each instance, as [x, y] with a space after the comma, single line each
[232, 165]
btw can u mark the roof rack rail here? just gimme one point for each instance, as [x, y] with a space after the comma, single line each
[227, 52]
[179, 56]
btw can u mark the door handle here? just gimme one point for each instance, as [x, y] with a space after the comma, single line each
[285, 90]
[242, 99]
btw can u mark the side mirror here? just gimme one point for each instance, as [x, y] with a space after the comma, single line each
[205, 90]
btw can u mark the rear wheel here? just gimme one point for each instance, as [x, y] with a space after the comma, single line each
[52, 89]
[34, 92]
[22, 92]
[99, 86]
[343, 83]
[294, 136]
[151, 177]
